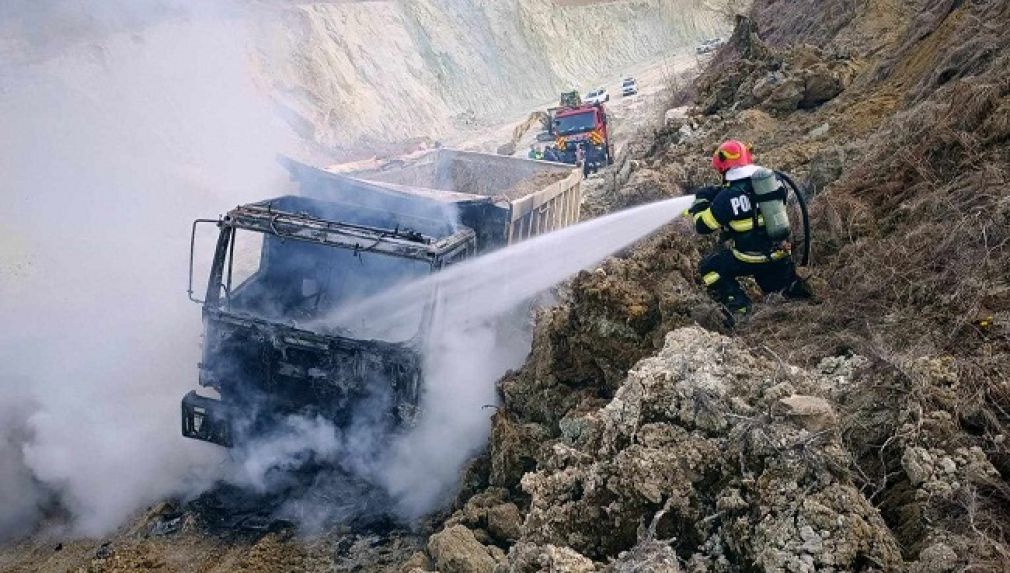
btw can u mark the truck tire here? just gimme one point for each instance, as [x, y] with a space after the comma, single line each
[610, 155]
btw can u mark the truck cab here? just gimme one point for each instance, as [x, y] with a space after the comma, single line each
[586, 126]
[282, 268]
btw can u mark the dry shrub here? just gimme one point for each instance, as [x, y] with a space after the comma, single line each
[804, 21]
[970, 54]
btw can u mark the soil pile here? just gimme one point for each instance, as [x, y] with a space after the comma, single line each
[704, 457]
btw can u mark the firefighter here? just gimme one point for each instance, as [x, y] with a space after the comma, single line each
[732, 210]
[581, 160]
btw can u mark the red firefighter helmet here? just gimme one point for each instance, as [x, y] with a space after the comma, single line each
[731, 154]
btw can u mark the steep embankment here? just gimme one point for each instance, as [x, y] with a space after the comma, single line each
[884, 448]
[386, 71]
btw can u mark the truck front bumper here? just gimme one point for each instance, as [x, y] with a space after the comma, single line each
[206, 419]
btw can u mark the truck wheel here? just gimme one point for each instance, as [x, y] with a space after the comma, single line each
[610, 155]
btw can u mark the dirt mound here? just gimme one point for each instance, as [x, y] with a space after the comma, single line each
[737, 458]
[713, 436]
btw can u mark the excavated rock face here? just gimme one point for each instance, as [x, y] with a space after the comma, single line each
[700, 432]
[443, 64]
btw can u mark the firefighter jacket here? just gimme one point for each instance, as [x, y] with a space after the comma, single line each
[731, 210]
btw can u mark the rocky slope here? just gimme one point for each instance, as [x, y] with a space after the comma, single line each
[862, 432]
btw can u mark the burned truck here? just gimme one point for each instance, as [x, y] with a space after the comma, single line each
[282, 265]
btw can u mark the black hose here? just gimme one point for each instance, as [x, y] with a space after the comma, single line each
[805, 259]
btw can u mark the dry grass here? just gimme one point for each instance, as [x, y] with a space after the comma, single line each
[912, 246]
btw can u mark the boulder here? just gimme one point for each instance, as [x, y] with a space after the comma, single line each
[764, 87]
[937, 558]
[456, 550]
[809, 412]
[820, 84]
[785, 96]
[504, 522]
[419, 561]
[533, 558]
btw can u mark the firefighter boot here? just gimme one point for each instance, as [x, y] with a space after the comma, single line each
[798, 289]
[735, 303]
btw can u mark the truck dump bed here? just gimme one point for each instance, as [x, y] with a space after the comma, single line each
[539, 196]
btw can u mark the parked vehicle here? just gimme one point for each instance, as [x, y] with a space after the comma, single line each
[585, 126]
[629, 87]
[598, 95]
[570, 99]
[710, 45]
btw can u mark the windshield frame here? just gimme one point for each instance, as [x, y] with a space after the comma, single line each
[582, 126]
[220, 281]
[437, 251]
[461, 244]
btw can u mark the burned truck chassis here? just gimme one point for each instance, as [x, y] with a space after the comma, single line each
[269, 358]
[296, 373]
[266, 370]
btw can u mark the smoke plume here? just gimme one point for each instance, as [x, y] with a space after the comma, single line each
[121, 122]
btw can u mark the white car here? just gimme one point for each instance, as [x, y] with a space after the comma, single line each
[709, 45]
[629, 87]
[597, 96]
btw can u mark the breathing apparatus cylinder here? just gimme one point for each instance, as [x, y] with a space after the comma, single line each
[771, 199]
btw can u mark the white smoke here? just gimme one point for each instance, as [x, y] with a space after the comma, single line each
[120, 122]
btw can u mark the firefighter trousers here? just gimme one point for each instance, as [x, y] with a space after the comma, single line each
[720, 270]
